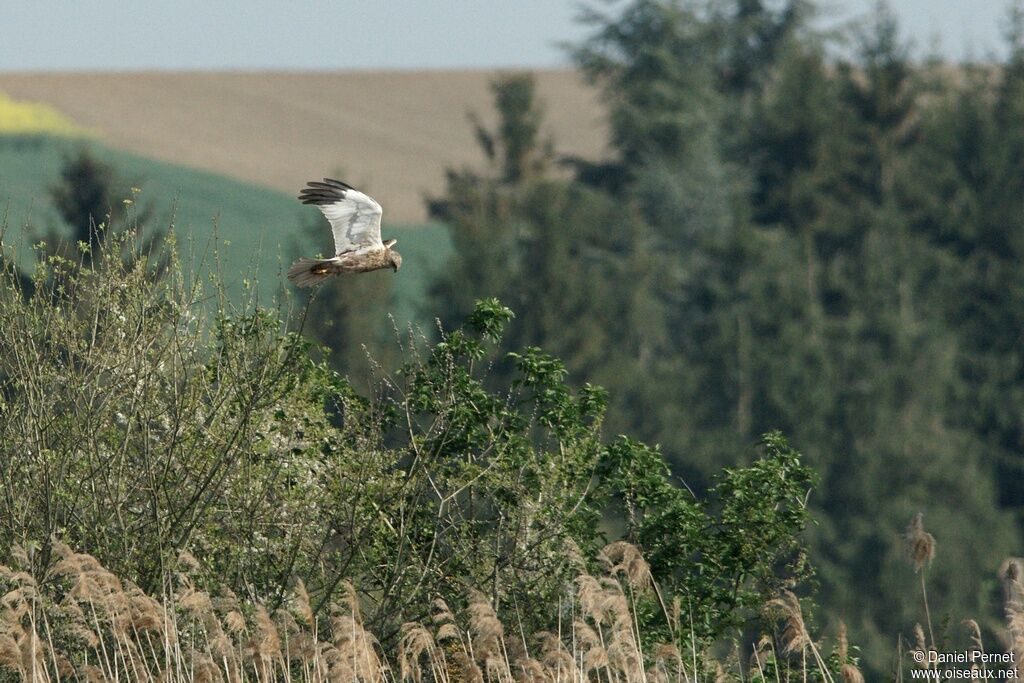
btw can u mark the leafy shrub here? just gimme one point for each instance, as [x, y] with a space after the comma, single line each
[143, 416]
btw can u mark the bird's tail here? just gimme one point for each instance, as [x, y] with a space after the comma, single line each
[307, 272]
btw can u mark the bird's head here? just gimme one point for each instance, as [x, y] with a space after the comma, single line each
[395, 259]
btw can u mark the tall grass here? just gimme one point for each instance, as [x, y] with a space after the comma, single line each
[81, 622]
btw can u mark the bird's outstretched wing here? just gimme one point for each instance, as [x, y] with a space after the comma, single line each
[354, 217]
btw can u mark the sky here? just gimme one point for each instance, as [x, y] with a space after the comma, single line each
[43, 35]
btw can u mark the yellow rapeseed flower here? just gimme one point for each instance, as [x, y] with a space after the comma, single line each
[35, 118]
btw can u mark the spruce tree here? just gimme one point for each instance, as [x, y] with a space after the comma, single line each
[92, 198]
[892, 443]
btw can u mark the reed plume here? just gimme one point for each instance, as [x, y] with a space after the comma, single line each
[98, 627]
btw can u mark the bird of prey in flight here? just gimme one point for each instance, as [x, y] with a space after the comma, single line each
[355, 222]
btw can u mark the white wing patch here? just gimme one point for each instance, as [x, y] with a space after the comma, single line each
[354, 217]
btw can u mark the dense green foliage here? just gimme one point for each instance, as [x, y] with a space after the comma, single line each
[143, 416]
[783, 239]
[780, 239]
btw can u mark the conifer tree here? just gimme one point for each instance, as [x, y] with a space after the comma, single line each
[890, 441]
[578, 264]
[806, 301]
[968, 202]
[93, 199]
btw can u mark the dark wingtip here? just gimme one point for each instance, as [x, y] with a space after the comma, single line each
[326, 192]
[320, 193]
[345, 186]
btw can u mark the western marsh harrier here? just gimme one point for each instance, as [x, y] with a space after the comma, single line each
[355, 222]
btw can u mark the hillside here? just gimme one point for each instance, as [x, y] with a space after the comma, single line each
[258, 230]
[392, 133]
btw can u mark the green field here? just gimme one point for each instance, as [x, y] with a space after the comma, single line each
[255, 231]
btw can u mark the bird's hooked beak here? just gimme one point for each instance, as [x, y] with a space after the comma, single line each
[396, 258]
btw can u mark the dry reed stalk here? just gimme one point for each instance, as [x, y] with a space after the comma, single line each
[795, 636]
[920, 549]
[529, 670]
[1013, 606]
[762, 650]
[415, 642]
[848, 671]
[357, 658]
[591, 646]
[625, 558]
[110, 630]
[486, 629]
[919, 544]
[590, 596]
[488, 636]
[557, 660]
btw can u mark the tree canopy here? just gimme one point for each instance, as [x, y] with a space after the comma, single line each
[783, 238]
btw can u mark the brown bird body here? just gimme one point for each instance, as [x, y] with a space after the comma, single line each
[355, 222]
[307, 272]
